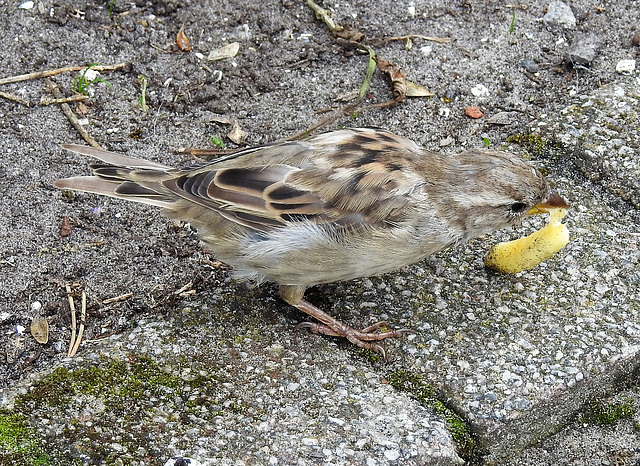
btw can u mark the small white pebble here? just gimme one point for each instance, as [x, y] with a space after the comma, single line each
[361, 443]
[444, 112]
[426, 50]
[462, 364]
[26, 5]
[36, 306]
[392, 455]
[626, 66]
[480, 90]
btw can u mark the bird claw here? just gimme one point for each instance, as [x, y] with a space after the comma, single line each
[360, 338]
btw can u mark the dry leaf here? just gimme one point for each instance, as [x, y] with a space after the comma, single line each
[65, 228]
[236, 134]
[82, 109]
[182, 41]
[350, 34]
[223, 120]
[398, 77]
[417, 90]
[226, 51]
[40, 329]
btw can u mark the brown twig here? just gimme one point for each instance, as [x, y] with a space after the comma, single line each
[46, 100]
[15, 98]
[185, 291]
[115, 299]
[197, 153]
[72, 116]
[324, 15]
[66, 69]
[72, 307]
[335, 115]
[439, 40]
[76, 344]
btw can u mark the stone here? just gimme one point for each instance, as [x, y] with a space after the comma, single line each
[559, 14]
[583, 50]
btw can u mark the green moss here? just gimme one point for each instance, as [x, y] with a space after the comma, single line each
[120, 385]
[369, 355]
[18, 443]
[607, 412]
[426, 395]
[535, 145]
[527, 140]
[117, 381]
[122, 390]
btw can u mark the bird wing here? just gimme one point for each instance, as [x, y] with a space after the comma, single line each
[352, 179]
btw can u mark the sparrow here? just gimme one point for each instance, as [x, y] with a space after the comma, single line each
[341, 205]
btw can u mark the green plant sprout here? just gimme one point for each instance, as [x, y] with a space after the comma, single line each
[513, 23]
[81, 84]
[112, 3]
[142, 98]
[371, 68]
[486, 141]
[217, 141]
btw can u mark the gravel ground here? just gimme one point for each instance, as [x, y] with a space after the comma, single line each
[536, 368]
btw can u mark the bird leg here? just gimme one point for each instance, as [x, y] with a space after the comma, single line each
[333, 327]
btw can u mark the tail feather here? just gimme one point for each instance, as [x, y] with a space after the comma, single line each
[113, 158]
[131, 189]
[96, 185]
[121, 177]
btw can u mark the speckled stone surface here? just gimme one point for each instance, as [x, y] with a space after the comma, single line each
[193, 364]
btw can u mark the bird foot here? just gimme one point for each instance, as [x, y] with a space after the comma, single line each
[333, 327]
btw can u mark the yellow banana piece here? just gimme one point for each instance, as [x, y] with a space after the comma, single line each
[525, 253]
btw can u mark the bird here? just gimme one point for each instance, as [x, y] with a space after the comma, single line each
[341, 205]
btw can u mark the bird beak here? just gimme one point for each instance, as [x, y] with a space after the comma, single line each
[554, 201]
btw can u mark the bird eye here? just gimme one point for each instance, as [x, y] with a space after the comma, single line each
[518, 207]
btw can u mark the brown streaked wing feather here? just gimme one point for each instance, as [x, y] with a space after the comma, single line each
[369, 192]
[371, 187]
[239, 194]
